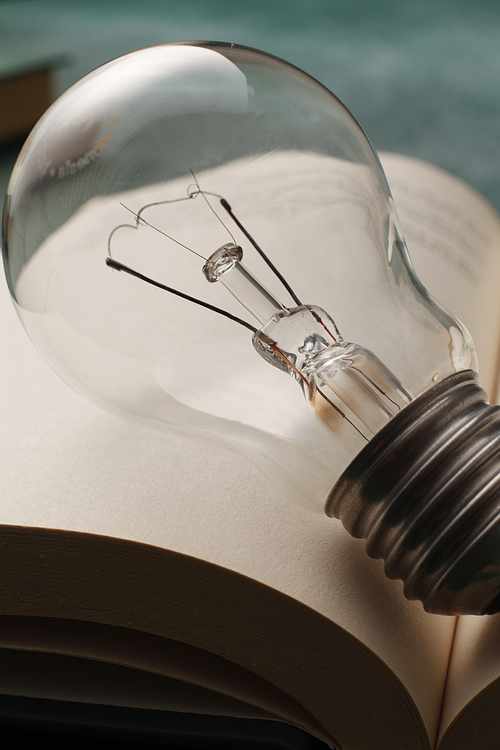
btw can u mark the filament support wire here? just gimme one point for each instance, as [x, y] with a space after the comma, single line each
[425, 494]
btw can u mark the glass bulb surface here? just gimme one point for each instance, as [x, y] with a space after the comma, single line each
[132, 163]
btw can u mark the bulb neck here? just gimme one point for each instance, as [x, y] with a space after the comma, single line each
[425, 494]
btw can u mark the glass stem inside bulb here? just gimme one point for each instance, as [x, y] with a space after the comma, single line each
[348, 388]
[225, 266]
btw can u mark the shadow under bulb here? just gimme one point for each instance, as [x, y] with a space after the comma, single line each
[241, 203]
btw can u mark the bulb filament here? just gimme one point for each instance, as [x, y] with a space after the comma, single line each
[343, 382]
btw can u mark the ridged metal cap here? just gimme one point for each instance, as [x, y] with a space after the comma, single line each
[425, 494]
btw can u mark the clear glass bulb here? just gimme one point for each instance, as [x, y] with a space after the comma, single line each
[236, 179]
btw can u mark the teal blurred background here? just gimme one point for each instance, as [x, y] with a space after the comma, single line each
[421, 76]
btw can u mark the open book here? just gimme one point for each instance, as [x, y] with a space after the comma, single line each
[133, 567]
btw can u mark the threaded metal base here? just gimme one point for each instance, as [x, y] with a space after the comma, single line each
[425, 494]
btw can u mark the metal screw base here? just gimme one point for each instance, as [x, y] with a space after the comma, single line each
[425, 494]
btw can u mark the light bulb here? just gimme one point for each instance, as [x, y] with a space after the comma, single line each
[233, 178]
